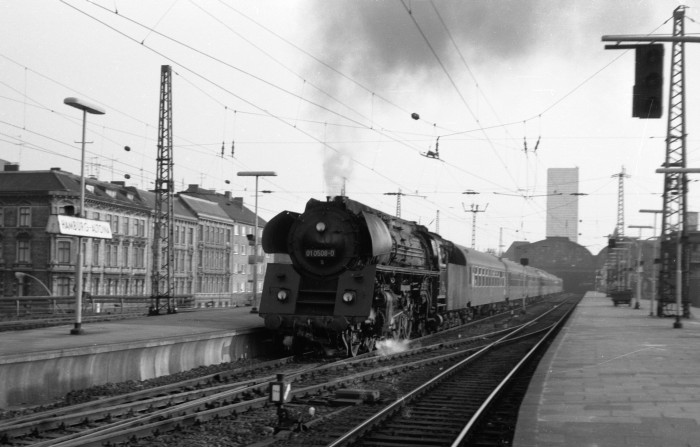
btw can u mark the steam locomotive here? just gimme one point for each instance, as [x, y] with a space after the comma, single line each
[349, 276]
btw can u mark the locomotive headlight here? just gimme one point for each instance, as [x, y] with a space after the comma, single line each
[320, 227]
[349, 296]
[282, 295]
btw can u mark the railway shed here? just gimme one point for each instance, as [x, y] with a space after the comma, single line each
[572, 262]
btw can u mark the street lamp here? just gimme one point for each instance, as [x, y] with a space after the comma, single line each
[20, 276]
[257, 175]
[656, 254]
[639, 263]
[86, 107]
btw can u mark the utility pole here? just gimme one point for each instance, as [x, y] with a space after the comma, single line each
[398, 199]
[474, 210]
[163, 256]
[674, 255]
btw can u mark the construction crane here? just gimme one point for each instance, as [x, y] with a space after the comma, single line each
[163, 256]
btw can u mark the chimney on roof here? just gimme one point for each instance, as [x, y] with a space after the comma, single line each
[227, 194]
[11, 167]
[118, 183]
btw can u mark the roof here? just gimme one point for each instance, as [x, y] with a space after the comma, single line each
[205, 208]
[232, 206]
[179, 208]
[57, 181]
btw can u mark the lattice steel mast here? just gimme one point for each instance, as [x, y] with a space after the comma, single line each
[163, 256]
[620, 228]
[474, 210]
[673, 228]
[398, 199]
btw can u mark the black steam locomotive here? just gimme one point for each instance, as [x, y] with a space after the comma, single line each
[355, 276]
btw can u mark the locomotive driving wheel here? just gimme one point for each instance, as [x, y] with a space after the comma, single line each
[353, 341]
[402, 327]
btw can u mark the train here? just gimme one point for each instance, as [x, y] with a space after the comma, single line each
[346, 276]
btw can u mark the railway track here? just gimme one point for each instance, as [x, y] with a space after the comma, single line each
[445, 410]
[244, 401]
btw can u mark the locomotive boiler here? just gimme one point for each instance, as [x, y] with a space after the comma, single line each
[350, 275]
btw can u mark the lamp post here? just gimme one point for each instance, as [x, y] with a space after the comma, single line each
[639, 263]
[21, 275]
[655, 257]
[86, 107]
[257, 175]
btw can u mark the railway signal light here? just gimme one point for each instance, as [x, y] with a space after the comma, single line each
[648, 81]
[280, 390]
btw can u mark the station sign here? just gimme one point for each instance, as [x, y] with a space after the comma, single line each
[77, 226]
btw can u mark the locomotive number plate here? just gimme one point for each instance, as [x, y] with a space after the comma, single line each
[320, 253]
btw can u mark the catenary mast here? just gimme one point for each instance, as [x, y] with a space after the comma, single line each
[163, 259]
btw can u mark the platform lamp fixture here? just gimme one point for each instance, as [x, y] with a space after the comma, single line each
[255, 238]
[93, 109]
[656, 260]
[639, 268]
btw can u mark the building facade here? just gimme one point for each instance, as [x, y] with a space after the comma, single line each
[562, 203]
[212, 262]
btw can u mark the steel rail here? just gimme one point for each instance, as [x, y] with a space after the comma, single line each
[497, 391]
[397, 404]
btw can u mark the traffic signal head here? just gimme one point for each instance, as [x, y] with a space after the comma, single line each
[648, 81]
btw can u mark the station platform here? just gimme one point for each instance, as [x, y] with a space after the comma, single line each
[38, 366]
[615, 376]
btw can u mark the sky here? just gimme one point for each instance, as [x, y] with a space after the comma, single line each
[326, 94]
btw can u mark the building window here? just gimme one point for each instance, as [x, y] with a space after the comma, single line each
[125, 256]
[95, 285]
[83, 252]
[95, 252]
[63, 286]
[63, 252]
[24, 251]
[138, 253]
[140, 227]
[24, 217]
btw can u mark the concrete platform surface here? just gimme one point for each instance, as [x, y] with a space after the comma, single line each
[38, 366]
[140, 330]
[615, 377]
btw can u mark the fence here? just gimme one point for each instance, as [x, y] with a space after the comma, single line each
[42, 306]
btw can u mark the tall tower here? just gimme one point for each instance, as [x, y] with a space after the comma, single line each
[562, 203]
[163, 256]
